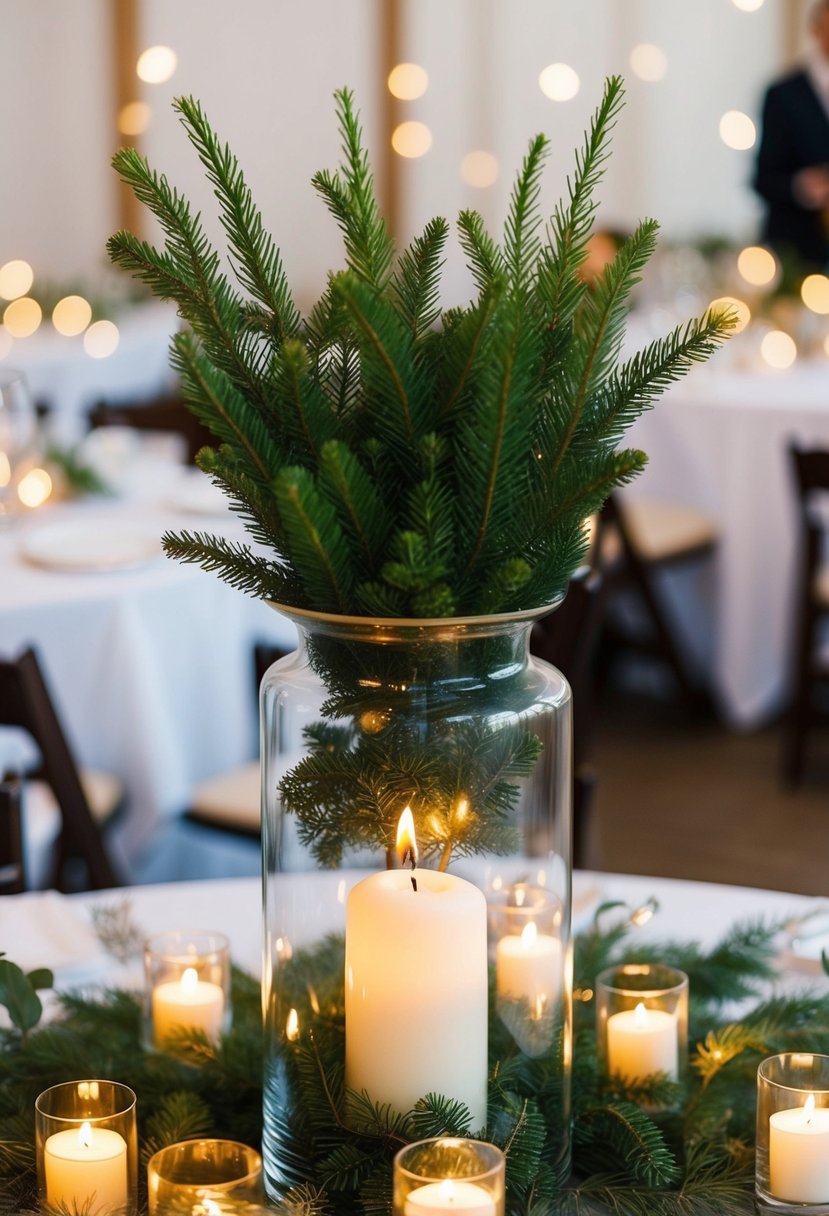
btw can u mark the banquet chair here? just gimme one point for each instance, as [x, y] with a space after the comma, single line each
[168, 414]
[633, 542]
[12, 873]
[568, 638]
[79, 802]
[809, 668]
[229, 801]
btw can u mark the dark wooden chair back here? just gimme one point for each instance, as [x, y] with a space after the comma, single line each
[25, 702]
[811, 478]
[168, 414]
[12, 872]
[567, 638]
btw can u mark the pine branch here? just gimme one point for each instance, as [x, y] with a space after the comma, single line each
[315, 542]
[416, 282]
[258, 262]
[233, 561]
[521, 245]
[484, 258]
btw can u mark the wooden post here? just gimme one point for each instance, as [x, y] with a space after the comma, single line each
[125, 50]
[390, 51]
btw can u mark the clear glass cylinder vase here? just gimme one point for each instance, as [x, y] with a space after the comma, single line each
[416, 789]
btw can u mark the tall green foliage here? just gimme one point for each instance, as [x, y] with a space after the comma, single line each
[394, 459]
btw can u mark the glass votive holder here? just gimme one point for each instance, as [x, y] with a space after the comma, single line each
[524, 924]
[86, 1145]
[792, 1158]
[186, 986]
[642, 1021]
[447, 1176]
[186, 1175]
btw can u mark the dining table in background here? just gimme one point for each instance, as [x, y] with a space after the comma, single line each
[150, 661]
[717, 442]
[64, 377]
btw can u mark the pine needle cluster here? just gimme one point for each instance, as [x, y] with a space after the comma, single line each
[692, 1158]
[390, 458]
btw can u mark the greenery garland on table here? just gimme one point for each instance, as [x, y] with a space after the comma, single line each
[694, 1160]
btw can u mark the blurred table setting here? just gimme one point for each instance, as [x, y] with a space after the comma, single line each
[149, 661]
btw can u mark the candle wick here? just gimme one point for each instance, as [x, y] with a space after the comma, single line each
[414, 883]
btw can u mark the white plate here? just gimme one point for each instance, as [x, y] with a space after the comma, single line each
[90, 547]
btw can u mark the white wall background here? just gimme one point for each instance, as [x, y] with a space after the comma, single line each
[265, 71]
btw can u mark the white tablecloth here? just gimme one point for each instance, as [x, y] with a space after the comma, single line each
[61, 374]
[151, 668]
[718, 442]
[51, 930]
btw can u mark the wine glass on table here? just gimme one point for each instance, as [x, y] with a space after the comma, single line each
[18, 433]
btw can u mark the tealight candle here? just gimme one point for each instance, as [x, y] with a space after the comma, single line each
[86, 1167]
[449, 1196]
[449, 1177]
[642, 1021]
[527, 967]
[87, 1147]
[799, 1153]
[641, 1042]
[187, 1003]
[187, 986]
[792, 1157]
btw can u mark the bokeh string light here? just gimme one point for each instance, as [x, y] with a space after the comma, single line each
[778, 349]
[737, 131]
[156, 64]
[559, 82]
[648, 62]
[411, 139]
[408, 81]
[16, 278]
[756, 265]
[479, 169]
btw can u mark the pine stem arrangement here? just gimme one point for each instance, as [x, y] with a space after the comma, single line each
[392, 458]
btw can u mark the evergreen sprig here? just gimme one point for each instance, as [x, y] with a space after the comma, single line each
[502, 415]
[629, 1160]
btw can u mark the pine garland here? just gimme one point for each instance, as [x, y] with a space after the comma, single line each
[690, 1159]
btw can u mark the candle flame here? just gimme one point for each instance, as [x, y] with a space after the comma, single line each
[85, 1135]
[189, 979]
[87, 1090]
[809, 1107]
[520, 894]
[446, 1191]
[529, 935]
[292, 1026]
[406, 842]
[640, 1015]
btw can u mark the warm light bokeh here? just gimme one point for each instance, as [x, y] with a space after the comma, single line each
[732, 304]
[134, 118]
[814, 291]
[648, 62]
[71, 315]
[16, 277]
[479, 169]
[156, 64]
[757, 265]
[34, 488]
[101, 339]
[411, 139]
[748, 6]
[408, 81]
[22, 317]
[737, 131]
[559, 82]
[778, 350]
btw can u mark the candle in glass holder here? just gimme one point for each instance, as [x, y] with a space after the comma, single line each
[641, 1042]
[799, 1153]
[450, 1196]
[449, 1175]
[86, 1166]
[527, 965]
[185, 1004]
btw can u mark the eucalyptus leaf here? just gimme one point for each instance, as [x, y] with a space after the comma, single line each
[19, 997]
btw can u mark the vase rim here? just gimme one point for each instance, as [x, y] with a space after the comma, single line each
[417, 622]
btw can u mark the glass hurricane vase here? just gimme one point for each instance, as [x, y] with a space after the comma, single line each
[416, 808]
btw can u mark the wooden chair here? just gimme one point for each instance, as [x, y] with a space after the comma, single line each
[168, 414]
[229, 802]
[633, 542]
[567, 638]
[809, 670]
[85, 801]
[12, 873]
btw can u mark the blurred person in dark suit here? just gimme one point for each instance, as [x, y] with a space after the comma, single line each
[792, 170]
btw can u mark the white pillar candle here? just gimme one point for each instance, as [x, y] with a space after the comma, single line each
[799, 1154]
[187, 1003]
[416, 990]
[527, 967]
[450, 1196]
[86, 1167]
[641, 1042]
